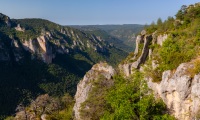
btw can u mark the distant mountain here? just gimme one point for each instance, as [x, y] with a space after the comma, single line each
[122, 36]
[38, 56]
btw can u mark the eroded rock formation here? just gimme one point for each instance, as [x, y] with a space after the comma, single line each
[85, 86]
[40, 46]
[141, 54]
[180, 91]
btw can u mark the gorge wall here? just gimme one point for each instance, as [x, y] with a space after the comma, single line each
[178, 88]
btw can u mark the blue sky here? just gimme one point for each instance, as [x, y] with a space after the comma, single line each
[93, 12]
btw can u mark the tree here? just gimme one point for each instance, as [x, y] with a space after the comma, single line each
[159, 21]
[181, 12]
[131, 99]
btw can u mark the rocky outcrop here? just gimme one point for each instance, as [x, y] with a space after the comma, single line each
[40, 46]
[19, 28]
[5, 19]
[145, 52]
[85, 86]
[161, 39]
[180, 91]
[138, 58]
[139, 40]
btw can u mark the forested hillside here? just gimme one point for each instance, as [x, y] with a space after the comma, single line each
[41, 57]
[122, 36]
[158, 81]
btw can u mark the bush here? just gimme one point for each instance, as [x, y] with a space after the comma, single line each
[131, 99]
[154, 73]
[174, 52]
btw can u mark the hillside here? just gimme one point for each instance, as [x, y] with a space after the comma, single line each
[41, 57]
[158, 81]
[122, 36]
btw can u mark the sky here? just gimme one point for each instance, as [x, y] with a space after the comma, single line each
[93, 12]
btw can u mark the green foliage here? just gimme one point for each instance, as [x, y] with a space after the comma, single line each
[196, 69]
[132, 54]
[182, 43]
[55, 108]
[9, 118]
[159, 21]
[122, 36]
[174, 52]
[21, 83]
[152, 28]
[197, 115]
[96, 102]
[130, 99]
[154, 73]
[66, 112]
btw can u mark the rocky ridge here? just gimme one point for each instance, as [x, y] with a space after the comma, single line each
[178, 88]
[85, 86]
[46, 43]
[139, 58]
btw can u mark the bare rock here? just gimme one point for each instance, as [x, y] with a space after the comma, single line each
[40, 46]
[19, 28]
[138, 41]
[179, 91]
[143, 32]
[145, 52]
[161, 39]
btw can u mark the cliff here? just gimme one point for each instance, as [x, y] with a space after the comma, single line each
[46, 40]
[41, 47]
[142, 51]
[86, 86]
[38, 56]
[178, 88]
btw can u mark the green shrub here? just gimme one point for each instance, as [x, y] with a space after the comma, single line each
[197, 66]
[95, 105]
[131, 99]
[154, 73]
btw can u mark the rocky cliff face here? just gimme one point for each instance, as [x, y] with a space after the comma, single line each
[45, 41]
[41, 47]
[85, 86]
[141, 54]
[5, 19]
[179, 89]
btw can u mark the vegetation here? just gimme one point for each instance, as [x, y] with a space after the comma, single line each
[182, 44]
[122, 36]
[131, 99]
[128, 98]
[23, 80]
[53, 108]
[96, 101]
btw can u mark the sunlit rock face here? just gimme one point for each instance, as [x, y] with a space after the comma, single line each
[180, 91]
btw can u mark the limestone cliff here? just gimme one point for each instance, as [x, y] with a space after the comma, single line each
[179, 89]
[85, 86]
[142, 51]
[41, 47]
